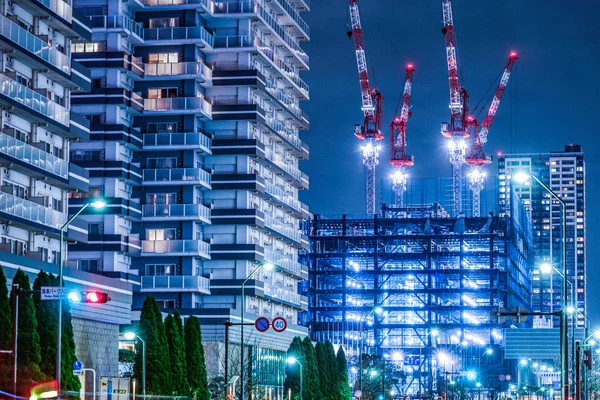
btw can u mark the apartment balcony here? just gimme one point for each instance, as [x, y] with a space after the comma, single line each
[178, 36]
[290, 14]
[32, 158]
[118, 23]
[287, 167]
[284, 230]
[16, 208]
[285, 198]
[177, 141]
[183, 70]
[174, 248]
[59, 15]
[286, 101]
[176, 212]
[133, 66]
[174, 4]
[123, 244]
[178, 105]
[110, 95]
[125, 135]
[176, 177]
[283, 294]
[31, 103]
[300, 149]
[187, 283]
[286, 264]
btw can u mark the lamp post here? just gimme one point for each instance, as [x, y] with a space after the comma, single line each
[267, 267]
[97, 204]
[564, 342]
[292, 361]
[132, 336]
[377, 310]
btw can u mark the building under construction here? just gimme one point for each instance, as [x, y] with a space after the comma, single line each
[411, 289]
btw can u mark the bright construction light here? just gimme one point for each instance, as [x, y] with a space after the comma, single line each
[98, 204]
[523, 361]
[373, 373]
[478, 384]
[443, 357]
[489, 351]
[434, 332]
[268, 267]
[129, 335]
[535, 365]
[292, 360]
[397, 356]
[378, 310]
[521, 177]
[471, 375]
[546, 268]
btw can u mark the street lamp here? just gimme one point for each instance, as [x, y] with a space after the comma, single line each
[97, 204]
[522, 177]
[266, 267]
[132, 336]
[292, 361]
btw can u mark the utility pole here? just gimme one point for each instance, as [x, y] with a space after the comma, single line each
[15, 293]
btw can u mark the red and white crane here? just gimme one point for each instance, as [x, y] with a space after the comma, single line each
[400, 160]
[477, 158]
[457, 129]
[372, 107]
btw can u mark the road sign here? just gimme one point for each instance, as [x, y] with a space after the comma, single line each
[502, 378]
[279, 324]
[53, 293]
[412, 360]
[78, 372]
[496, 317]
[508, 377]
[77, 365]
[262, 324]
[357, 394]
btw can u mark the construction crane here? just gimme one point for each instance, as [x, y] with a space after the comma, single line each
[477, 158]
[400, 160]
[457, 130]
[372, 106]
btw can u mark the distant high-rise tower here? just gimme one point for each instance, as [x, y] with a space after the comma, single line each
[564, 173]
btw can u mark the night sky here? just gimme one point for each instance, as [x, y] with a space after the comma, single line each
[551, 100]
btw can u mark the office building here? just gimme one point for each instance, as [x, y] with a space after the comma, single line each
[564, 173]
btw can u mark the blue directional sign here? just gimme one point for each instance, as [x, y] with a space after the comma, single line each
[77, 365]
[412, 361]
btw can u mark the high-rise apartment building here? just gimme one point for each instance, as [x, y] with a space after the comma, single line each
[564, 173]
[195, 113]
[38, 81]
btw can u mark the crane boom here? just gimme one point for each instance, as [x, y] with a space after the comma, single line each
[399, 125]
[489, 119]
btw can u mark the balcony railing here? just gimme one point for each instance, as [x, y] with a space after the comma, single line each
[181, 33]
[193, 139]
[285, 262]
[117, 22]
[175, 247]
[295, 16]
[60, 7]
[176, 176]
[282, 196]
[285, 100]
[175, 283]
[176, 211]
[284, 294]
[287, 133]
[293, 171]
[33, 100]
[34, 156]
[191, 104]
[35, 45]
[154, 3]
[31, 211]
[175, 69]
[285, 230]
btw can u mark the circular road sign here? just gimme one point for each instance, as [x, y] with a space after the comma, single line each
[502, 378]
[279, 324]
[77, 365]
[262, 324]
[358, 394]
[508, 377]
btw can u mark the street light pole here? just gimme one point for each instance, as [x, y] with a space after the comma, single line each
[564, 331]
[294, 360]
[131, 336]
[267, 267]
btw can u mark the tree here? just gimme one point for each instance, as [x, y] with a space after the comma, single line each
[29, 341]
[47, 321]
[217, 388]
[5, 315]
[342, 375]
[292, 371]
[194, 353]
[310, 378]
[326, 372]
[152, 331]
[177, 353]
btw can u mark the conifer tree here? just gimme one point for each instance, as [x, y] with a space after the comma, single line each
[326, 373]
[5, 315]
[292, 371]
[46, 312]
[310, 378]
[196, 367]
[177, 353]
[333, 371]
[152, 331]
[342, 369]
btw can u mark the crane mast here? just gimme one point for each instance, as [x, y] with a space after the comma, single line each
[372, 107]
[400, 160]
[477, 158]
[457, 129]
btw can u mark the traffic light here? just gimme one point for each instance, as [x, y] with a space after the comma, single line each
[587, 358]
[91, 296]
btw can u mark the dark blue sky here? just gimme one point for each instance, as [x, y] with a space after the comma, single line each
[551, 100]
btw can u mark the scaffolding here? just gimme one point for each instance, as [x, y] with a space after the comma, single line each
[415, 289]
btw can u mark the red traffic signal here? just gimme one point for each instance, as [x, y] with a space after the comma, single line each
[91, 296]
